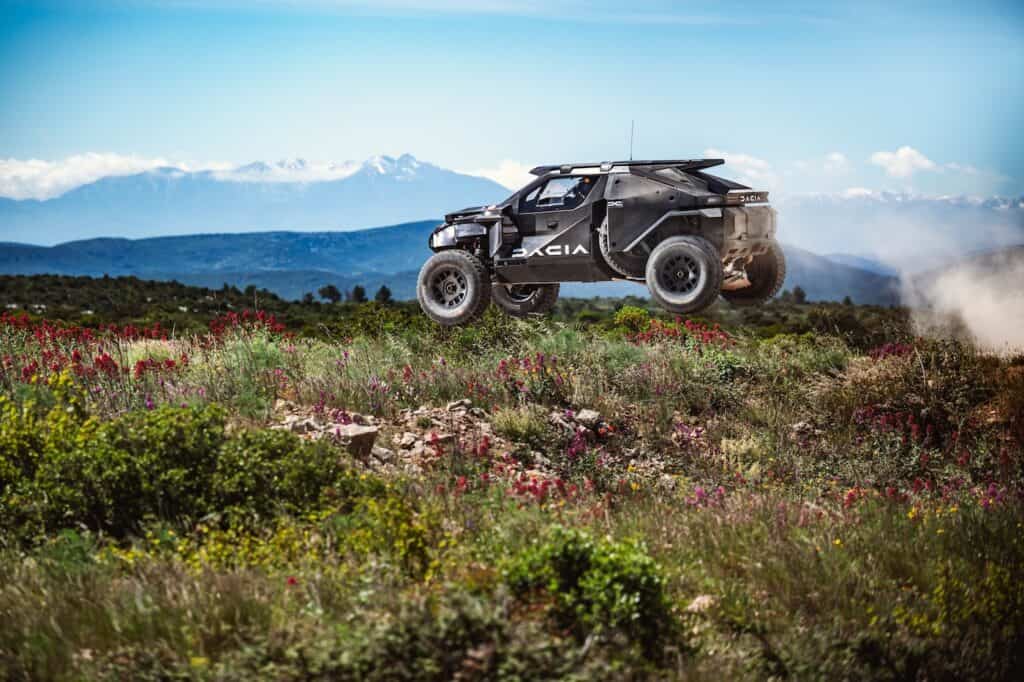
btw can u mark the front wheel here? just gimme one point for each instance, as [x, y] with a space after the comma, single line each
[684, 274]
[453, 288]
[525, 300]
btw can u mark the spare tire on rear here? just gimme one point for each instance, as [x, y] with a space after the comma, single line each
[453, 288]
[766, 274]
[525, 300]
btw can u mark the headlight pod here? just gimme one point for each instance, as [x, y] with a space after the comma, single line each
[443, 237]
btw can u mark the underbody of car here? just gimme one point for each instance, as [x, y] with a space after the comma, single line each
[606, 221]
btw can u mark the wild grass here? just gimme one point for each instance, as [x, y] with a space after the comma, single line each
[745, 508]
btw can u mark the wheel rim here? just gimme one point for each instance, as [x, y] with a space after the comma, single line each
[680, 274]
[449, 287]
[520, 293]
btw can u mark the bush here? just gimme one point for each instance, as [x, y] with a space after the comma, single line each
[60, 471]
[596, 586]
[632, 319]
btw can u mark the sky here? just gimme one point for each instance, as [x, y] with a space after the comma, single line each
[797, 96]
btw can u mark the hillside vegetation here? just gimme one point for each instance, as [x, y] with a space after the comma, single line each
[607, 495]
[293, 263]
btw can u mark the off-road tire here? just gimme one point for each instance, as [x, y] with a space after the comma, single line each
[525, 300]
[684, 274]
[766, 273]
[453, 288]
[625, 264]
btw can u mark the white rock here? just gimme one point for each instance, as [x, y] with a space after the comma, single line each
[588, 418]
[701, 603]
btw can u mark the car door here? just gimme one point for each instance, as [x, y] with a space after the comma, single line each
[555, 205]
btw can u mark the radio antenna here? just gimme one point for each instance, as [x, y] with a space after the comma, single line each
[631, 129]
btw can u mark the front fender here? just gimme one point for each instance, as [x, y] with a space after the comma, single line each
[447, 236]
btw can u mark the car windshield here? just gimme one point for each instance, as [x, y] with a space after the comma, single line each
[556, 190]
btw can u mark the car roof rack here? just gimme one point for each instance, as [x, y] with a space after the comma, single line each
[682, 164]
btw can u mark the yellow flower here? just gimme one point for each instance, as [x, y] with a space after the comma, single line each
[837, 542]
[912, 514]
[199, 661]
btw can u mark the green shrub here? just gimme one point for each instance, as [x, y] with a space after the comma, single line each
[596, 586]
[632, 319]
[261, 471]
[60, 471]
[526, 424]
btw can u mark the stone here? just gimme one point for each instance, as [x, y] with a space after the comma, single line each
[441, 438]
[282, 405]
[301, 425]
[804, 429]
[357, 438]
[463, 404]
[382, 454]
[407, 440]
[477, 412]
[701, 603]
[588, 418]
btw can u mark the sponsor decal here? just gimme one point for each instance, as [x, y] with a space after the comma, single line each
[552, 250]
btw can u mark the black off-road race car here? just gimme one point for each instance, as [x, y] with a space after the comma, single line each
[689, 235]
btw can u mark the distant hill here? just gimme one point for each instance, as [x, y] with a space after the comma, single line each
[863, 262]
[257, 197]
[907, 232]
[293, 263]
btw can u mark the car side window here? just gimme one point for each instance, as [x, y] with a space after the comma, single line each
[558, 194]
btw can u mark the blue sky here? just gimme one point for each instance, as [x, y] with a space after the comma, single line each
[801, 96]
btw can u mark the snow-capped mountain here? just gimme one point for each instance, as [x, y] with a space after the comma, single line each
[903, 232]
[292, 194]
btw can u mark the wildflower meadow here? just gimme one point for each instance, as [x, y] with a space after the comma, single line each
[641, 497]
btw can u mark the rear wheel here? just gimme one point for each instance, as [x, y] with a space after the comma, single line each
[524, 300]
[684, 274]
[766, 273]
[453, 288]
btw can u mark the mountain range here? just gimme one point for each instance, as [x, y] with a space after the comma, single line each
[291, 195]
[293, 226]
[293, 263]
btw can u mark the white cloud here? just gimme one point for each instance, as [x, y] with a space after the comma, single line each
[903, 162]
[508, 173]
[35, 179]
[836, 162]
[753, 171]
[856, 192]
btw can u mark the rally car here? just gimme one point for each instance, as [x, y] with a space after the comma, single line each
[690, 236]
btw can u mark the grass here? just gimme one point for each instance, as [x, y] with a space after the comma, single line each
[748, 507]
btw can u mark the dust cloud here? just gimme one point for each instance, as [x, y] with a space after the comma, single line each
[981, 298]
